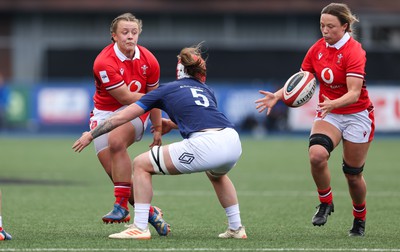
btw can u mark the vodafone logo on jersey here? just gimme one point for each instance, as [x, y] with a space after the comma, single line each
[327, 75]
[135, 86]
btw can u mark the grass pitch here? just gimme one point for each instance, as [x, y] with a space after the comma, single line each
[53, 200]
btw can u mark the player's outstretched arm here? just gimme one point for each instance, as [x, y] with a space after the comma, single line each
[82, 142]
[268, 101]
[123, 116]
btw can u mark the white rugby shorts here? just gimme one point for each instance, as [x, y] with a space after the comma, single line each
[356, 128]
[216, 152]
[99, 116]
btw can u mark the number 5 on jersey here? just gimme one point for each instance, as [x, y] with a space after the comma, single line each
[201, 99]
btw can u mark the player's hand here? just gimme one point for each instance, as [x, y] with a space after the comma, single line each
[167, 126]
[325, 107]
[82, 142]
[156, 139]
[267, 102]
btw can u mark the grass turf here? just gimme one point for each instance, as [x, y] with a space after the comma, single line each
[53, 200]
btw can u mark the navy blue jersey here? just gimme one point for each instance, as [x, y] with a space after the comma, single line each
[189, 103]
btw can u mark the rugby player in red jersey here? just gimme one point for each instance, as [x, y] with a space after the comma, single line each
[344, 112]
[123, 72]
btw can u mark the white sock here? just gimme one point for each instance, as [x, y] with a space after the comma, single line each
[233, 215]
[141, 215]
[1, 222]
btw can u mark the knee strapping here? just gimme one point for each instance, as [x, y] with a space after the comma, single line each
[323, 140]
[157, 160]
[352, 170]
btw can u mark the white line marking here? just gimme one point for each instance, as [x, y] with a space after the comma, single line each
[273, 193]
[196, 249]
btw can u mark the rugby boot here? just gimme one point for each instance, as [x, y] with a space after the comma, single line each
[358, 228]
[156, 220]
[237, 234]
[321, 216]
[132, 232]
[4, 235]
[117, 215]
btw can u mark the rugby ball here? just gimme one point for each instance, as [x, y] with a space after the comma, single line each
[299, 89]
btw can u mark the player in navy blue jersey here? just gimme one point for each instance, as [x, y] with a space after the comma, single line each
[210, 143]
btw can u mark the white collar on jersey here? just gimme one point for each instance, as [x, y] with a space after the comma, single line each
[341, 42]
[122, 56]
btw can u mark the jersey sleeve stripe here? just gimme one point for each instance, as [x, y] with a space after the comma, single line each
[152, 84]
[144, 107]
[115, 86]
[355, 75]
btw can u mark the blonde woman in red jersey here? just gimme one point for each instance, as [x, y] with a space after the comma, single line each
[123, 72]
[344, 113]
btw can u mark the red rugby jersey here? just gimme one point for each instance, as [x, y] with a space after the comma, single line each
[332, 64]
[112, 69]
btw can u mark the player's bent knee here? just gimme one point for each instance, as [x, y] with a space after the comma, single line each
[351, 170]
[116, 146]
[323, 140]
[136, 162]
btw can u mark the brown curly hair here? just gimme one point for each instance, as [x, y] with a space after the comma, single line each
[191, 59]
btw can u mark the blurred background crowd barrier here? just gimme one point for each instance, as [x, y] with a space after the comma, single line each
[47, 49]
[65, 108]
